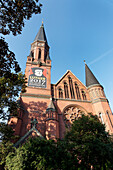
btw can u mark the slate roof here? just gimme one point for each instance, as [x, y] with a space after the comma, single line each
[51, 106]
[90, 78]
[41, 36]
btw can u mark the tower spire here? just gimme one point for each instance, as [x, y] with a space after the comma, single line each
[90, 78]
[41, 36]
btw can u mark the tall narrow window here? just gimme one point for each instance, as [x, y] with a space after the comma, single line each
[71, 88]
[109, 118]
[32, 55]
[77, 91]
[60, 93]
[66, 90]
[45, 55]
[39, 54]
[83, 95]
[52, 90]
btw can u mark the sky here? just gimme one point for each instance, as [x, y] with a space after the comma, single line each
[76, 30]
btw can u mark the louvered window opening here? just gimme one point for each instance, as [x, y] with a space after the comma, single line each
[39, 54]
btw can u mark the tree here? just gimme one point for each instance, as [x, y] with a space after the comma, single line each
[12, 19]
[88, 140]
[41, 154]
[11, 81]
[13, 14]
[5, 148]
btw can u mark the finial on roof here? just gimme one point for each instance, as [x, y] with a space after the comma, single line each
[85, 61]
[41, 36]
[42, 21]
[51, 106]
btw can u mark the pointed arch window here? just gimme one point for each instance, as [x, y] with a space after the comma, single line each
[45, 55]
[71, 88]
[83, 95]
[60, 93]
[66, 90]
[52, 90]
[32, 55]
[39, 54]
[107, 112]
[77, 91]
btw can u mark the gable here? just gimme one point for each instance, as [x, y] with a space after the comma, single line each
[70, 87]
[65, 77]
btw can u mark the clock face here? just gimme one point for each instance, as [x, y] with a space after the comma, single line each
[40, 44]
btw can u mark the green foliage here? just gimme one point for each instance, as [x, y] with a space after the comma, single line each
[5, 149]
[12, 16]
[41, 154]
[85, 144]
[14, 12]
[6, 132]
[88, 140]
[11, 81]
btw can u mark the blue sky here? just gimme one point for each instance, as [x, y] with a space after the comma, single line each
[76, 30]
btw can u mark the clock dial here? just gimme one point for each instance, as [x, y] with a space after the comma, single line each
[40, 44]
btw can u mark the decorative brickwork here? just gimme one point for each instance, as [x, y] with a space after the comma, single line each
[55, 106]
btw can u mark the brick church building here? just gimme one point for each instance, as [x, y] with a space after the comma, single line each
[47, 109]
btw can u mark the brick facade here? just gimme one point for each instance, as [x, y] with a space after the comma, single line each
[55, 106]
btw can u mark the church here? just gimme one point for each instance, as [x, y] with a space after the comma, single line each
[46, 109]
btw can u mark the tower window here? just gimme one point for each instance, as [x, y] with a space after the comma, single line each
[60, 93]
[77, 91]
[32, 55]
[71, 88]
[66, 90]
[39, 54]
[83, 95]
[45, 55]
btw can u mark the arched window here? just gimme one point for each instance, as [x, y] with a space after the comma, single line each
[39, 54]
[83, 95]
[71, 88]
[52, 90]
[60, 93]
[107, 112]
[45, 55]
[32, 55]
[77, 91]
[66, 90]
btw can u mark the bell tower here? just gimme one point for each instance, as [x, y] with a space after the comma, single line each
[36, 99]
[38, 66]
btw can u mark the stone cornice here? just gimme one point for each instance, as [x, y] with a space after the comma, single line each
[36, 95]
[95, 85]
[36, 63]
[99, 100]
[86, 101]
